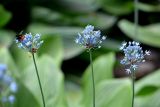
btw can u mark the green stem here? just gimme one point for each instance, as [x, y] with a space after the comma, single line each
[133, 81]
[40, 86]
[93, 83]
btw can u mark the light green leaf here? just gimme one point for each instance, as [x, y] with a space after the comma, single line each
[117, 7]
[52, 46]
[73, 94]
[99, 20]
[25, 97]
[21, 57]
[148, 8]
[71, 49]
[80, 6]
[68, 34]
[148, 84]
[149, 101]
[5, 16]
[51, 79]
[149, 35]
[103, 69]
[64, 31]
[6, 58]
[113, 93]
[6, 38]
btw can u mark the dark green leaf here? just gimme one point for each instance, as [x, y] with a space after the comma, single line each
[5, 16]
[117, 7]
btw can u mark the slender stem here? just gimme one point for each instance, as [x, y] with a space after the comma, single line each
[44, 105]
[136, 17]
[93, 83]
[133, 80]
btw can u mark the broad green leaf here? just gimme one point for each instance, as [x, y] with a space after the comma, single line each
[52, 46]
[80, 6]
[117, 7]
[25, 97]
[6, 58]
[21, 57]
[6, 38]
[149, 101]
[5, 16]
[40, 13]
[149, 35]
[99, 20]
[73, 94]
[113, 93]
[148, 7]
[71, 49]
[148, 84]
[64, 31]
[103, 69]
[51, 79]
[68, 34]
[110, 44]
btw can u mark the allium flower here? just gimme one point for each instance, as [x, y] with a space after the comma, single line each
[133, 55]
[29, 42]
[7, 86]
[89, 38]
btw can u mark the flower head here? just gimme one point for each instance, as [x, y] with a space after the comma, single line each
[133, 55]
[7, 86]
[89, 38]
[29, 42]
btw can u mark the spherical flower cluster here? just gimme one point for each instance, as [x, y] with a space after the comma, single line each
[8, 86]
[133, 55]
[89, 38]
[29, 42]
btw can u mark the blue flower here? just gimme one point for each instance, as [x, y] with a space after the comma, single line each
[7, 86]
[3, 69]
[11, 99]
[133, 55]
[29, 42]
[89, 38]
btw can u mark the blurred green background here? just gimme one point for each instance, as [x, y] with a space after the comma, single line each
[64, 66]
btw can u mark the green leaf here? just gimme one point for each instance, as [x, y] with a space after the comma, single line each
[149, 35]
[40, 13]
[64, 31]
[21, 57]
[68, 34]
[71, 49]
[117, 7]
[5, 16]
[103, 21]
[52, 46]
[103, 69]
[6, 58]
[148, 8]
[148, 84]
[25, 97]
[149, 101]
[6, 38]
[73, 94]
[100, 20]
[110, 44]
[80, 6]
[51, 79]
[113, 93]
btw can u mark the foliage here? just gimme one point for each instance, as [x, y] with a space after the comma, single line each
[59, 27]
